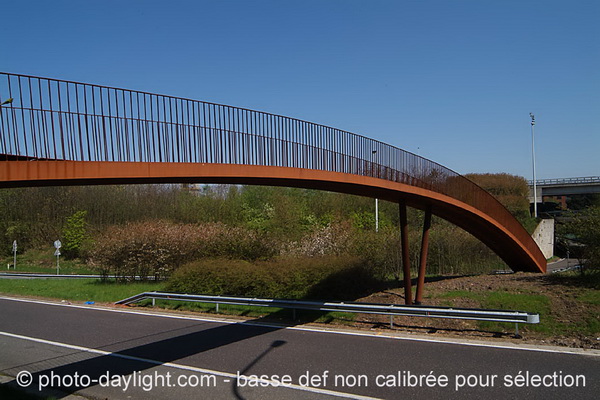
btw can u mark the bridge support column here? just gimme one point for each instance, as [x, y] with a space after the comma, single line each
[405, 253]
[424, 252]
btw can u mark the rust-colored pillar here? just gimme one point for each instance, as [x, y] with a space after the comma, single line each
[424, 251]
[405, 253]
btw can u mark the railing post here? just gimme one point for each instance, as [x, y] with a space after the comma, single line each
[424, 252]
[405, 253]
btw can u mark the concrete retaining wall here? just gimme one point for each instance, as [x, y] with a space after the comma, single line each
[544, 237]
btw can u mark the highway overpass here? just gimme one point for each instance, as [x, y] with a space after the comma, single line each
[564, 187]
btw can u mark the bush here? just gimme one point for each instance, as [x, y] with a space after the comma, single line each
[379, 252]
[340, 278]
[158, 248]
[331, 240]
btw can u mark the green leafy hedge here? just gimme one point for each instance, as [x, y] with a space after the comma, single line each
[340, 278]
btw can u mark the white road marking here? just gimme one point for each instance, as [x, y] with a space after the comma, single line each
[189, 368]
[381, 335]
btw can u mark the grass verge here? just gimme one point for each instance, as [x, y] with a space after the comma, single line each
[43, 261]
[76, 289]
[550, 324]
[110, 292]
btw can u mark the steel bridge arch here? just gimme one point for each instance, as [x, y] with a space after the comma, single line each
[59, 132]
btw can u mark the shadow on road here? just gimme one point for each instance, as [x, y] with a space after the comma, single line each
[140, 358]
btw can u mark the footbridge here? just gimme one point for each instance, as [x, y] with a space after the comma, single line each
[56, 132]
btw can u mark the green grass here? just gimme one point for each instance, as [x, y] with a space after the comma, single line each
[533, 303]
[453, 294]
[76, 289]
[43, 261]
[590, 297]
[343, 318]
[110, 292]
[520, 302]
[589, 279]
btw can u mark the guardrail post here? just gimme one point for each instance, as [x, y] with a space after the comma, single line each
[153, 302]
[424, 252]
[405, 253]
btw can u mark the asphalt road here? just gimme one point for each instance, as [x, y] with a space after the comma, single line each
[563, 263]
[119, 354]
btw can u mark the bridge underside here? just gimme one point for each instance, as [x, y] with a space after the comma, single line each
[32, 172]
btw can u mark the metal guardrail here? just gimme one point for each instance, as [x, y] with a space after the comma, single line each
[392, 310]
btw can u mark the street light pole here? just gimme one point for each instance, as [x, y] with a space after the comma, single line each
[376, 215]
[376, 204]
[535, 213]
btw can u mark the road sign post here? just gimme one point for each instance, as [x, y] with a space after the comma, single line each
[57, 245]
[15, 254]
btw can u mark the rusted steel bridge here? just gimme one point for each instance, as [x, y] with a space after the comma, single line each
[57, 132]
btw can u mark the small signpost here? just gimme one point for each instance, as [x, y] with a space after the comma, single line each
[57, 245]
[15, 254]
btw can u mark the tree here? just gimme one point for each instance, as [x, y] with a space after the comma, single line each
[585, 230]
[74, 234]
[511, 191]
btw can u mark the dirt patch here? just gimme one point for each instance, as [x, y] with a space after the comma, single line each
[567, 315]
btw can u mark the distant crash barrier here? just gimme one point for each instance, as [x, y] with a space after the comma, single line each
[392, 310]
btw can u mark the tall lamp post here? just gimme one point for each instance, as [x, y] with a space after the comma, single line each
[374, 152]
[376, 215]
[535, 213]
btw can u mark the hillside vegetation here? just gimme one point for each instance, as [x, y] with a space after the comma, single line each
[156, 230]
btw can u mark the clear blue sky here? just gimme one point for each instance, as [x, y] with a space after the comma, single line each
[451, 80]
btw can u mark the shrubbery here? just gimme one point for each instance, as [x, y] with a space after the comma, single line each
[341, 278]
[157, 248]
[281, 227]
